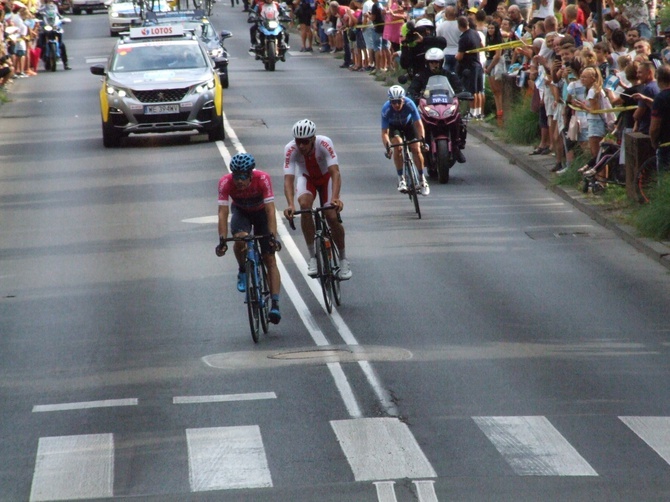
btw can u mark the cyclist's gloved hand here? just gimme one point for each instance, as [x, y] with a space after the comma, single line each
[275, 243]
[221, 249]
[388, 152]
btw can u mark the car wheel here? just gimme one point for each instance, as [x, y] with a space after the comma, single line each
[110, 137]
[217, 132]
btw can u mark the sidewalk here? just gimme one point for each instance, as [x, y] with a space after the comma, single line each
[539, 167]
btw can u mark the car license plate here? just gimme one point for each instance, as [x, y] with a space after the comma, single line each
[160, 109]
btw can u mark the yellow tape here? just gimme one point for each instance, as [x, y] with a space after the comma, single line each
[605, 110]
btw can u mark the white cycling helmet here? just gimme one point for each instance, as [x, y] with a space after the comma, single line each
[434, 54]
[304, 128]
[396, 92]
[424, 23]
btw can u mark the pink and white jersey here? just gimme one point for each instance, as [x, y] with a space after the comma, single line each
[253, 198]
[314, 166]
[269, 11]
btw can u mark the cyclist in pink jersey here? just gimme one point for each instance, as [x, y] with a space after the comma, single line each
[311, 167]
[248, 195]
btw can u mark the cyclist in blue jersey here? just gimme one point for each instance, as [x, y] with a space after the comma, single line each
[401, 122]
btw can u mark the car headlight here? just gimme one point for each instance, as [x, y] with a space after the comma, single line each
[119, 91]
[114, 14]
[207, 86]
[216, 53]
[431, 112]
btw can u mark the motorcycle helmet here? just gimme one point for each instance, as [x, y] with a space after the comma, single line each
[396, 92]
[304, 128]
[425, 24]
[242, 164]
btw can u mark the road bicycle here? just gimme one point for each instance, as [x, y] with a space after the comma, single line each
[411, 173]
[605, 171]
[257, 294]
[327, 255]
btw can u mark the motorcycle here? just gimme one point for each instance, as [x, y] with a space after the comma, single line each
[445, 131]
[50, 37]
[271, 39]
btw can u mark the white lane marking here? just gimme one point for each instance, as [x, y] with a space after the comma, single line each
[73, 467]
[232, 136]
[341, 382]
[385, 491]
[655, 431]
[227, 458]
[533, 447]
[203, 220]
[223, 398]
[381, 449]
[107, 403]
[425, 490]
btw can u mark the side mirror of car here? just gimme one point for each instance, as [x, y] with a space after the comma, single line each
[465, 96]
[98, 69]
[225, 34]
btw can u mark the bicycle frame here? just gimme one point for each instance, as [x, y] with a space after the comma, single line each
[327, 255]
[411, 173]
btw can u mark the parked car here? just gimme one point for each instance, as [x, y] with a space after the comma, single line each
[123, 14]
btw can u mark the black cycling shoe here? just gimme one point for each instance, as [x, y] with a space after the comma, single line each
[460, 158]
[274, 316]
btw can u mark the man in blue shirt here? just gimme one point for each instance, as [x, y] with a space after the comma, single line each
[401, 122]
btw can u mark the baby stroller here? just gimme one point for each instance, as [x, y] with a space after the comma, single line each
[604, 169]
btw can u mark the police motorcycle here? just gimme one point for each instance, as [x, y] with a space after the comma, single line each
[51, 36]
[269, 35]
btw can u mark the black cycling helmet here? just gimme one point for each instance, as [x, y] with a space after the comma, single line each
[242, 163]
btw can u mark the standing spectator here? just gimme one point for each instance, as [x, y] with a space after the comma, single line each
[304, 10]
[393, 21]
[544, 8]
[495, 66]
[321, 17]
[377, 19]
[659, 128]
[632, 36]
[368, 33]
[593, 82]
[574, 29]
[448, 29]
[469, 68]
[617, 42]
[647, 76]
[518, 24]
[637, 14]
[345, 20]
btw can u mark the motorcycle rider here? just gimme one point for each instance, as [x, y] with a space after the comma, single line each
[419, 38]
[266, 9]
[50, 15]
[434, 66]
[401, 122]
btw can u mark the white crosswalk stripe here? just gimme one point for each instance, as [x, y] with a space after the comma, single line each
[377, 450]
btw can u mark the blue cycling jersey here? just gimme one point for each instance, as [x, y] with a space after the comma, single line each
[391, 117]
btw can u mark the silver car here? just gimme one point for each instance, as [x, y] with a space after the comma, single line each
[159, 79]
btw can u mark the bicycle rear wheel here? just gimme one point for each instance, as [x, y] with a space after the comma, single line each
[264, 296]
[325, 278]
[413, 186]
[335, 269]
[646, 180]
[253, 307]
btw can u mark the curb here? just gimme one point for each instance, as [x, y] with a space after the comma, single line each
[658, 251]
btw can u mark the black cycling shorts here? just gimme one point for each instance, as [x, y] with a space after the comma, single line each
[408, 132]
[243, 221]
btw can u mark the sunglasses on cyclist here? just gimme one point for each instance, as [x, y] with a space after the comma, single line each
[241, 176]
[396, 101]
[303, 141]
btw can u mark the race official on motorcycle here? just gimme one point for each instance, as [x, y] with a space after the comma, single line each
[49, 15]
[266, 9]
[420, 37]
[434, 66]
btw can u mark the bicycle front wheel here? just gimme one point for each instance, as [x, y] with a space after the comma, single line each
[253, 306]
[646, 180]
[335, 269]
[325, 278]
[264, 294]
[412, 178]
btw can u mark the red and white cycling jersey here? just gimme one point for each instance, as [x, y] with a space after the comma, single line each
[314, 166]
[253, 198]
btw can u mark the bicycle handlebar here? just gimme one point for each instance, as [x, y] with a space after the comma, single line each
[313, 211]
[248, 238]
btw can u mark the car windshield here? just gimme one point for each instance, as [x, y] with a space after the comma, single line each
[438, 88]
[157, 56]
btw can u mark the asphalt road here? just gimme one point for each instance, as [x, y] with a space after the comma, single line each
[504, 347]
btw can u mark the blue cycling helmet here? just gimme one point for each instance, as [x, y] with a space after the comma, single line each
[242, 163]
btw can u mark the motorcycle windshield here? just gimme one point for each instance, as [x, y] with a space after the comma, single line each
[438, 90]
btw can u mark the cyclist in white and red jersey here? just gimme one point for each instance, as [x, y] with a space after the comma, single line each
[311, 167]
[252, 205]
